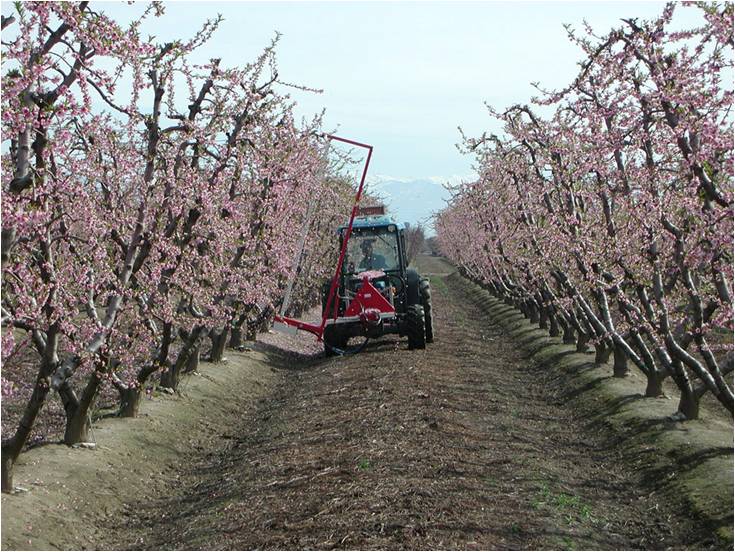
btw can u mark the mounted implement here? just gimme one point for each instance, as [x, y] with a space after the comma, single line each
[372, 292]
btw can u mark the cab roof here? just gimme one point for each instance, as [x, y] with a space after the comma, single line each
[378, 221]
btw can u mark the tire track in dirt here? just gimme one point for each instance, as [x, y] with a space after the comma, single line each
[455, 447]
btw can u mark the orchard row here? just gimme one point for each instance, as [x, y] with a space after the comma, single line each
[610, 220]
[149, 203]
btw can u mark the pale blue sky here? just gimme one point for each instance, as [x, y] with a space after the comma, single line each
[401, 75]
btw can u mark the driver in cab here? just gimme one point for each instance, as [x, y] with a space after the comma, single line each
[370, 260]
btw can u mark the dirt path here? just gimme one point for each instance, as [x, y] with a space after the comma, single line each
[456, 447]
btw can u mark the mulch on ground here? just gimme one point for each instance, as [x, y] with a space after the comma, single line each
[456, 447]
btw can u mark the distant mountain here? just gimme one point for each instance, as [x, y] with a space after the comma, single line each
[412, 200]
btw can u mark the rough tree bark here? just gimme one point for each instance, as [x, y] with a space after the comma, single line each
[569, 336]
[583, 340]
[192, 361]
[12, 447]
[533, 313]
[543, 321]
[236, 333]
[602, 352]
[620, 362]
[132, 393]
[130, 402]
[554, 330]
[654, 384]
[78, 417]
[171, 377]
[219, 342]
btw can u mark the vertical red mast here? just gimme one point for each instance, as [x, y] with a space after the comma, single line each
[335, 278]
[331, 303]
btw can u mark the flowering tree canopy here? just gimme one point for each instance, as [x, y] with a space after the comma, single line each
[137, 222]
[611, 220]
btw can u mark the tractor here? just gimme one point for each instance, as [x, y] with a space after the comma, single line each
[372, 292]
[376, 292]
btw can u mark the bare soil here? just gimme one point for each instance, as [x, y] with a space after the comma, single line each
[73, 495]
[462, 446]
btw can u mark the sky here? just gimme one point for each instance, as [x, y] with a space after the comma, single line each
[401, 76]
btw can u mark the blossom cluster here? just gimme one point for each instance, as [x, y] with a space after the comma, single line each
[139, 219]
[610, 220]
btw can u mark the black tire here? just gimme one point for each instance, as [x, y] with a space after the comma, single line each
[329, 350]
[329, 338]
[428, 317]
[332, 340]
[413, 291]
[415, 329]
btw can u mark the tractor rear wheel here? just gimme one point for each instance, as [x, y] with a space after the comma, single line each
[413, 287]
[428, 317]
[415, 327]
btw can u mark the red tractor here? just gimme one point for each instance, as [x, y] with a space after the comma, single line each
[372, 292]
[377, 293]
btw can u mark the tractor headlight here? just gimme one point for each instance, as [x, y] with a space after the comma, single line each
[392, 228]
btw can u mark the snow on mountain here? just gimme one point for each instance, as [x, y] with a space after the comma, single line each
[413, 200]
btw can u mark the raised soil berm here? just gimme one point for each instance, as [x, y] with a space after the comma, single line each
[72, 494]
[689, 462]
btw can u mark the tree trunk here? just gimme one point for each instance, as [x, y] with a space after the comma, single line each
[569, 336]
[689, 404]
[602, 353]
[583, 342]
[77, 428]
[78, 419]
[131, 395]
[12, 447]
[689, 396]
[265, 321]
[219, 342]
[236, 336]
[543, 321]
[7, 469]
[130, 402]
[620, 362]
[654, 386]
[192, 361]
[252, 334]
[170, 378]
[554, 329]
[533, 313]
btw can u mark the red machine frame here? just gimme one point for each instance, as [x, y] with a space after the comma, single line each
[368, 305]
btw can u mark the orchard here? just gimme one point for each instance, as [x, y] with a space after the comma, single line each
[136, 227]
[610, 221]
[164, 211]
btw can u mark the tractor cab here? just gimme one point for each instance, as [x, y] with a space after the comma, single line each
[375, 244]
[376, 248]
